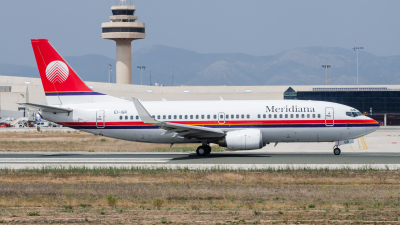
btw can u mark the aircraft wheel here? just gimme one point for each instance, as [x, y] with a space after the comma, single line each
[201, 151]
[336, 151]
[208, 149]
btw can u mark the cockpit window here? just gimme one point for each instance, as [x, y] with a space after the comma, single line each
[353, 114]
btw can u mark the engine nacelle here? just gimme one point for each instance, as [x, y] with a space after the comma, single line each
[242, 140]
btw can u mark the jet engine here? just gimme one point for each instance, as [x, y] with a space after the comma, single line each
[242, 140]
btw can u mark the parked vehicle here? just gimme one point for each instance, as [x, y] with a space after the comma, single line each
[20, 122]
[42, 124]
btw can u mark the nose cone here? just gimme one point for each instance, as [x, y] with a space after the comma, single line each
[373, 125]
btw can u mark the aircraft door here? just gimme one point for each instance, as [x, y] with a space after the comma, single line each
[329, 116]
[100, 122]
[221, 118]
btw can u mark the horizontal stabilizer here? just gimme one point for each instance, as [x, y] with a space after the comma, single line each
[46, 108]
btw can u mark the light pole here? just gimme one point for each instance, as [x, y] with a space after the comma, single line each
[356, 48]
[141, 74]
[326, 67]
[109, 73]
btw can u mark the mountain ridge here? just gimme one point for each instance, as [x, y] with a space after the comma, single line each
[298, 66]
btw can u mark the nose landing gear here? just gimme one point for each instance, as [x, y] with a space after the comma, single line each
[336, 150]
[203, 150]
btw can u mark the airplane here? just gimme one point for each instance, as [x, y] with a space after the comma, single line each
[234, 124]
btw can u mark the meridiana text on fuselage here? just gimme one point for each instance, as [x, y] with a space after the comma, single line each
[292, 108]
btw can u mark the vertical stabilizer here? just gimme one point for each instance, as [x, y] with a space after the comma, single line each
[60, 82]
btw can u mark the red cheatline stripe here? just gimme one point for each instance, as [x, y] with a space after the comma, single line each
[139, 123]
[66, 91]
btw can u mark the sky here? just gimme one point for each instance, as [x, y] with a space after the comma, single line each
[257, 27]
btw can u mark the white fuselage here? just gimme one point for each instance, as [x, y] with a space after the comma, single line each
[278, 120]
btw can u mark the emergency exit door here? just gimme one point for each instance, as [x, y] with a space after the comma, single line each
[329, 117]
[100, 122]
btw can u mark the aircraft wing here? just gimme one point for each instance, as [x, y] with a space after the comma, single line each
[46, 108]
[182, 130]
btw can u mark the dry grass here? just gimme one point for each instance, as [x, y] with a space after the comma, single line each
[201, 197]
[82, 142]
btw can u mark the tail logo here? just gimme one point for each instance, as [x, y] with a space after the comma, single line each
[57, 71]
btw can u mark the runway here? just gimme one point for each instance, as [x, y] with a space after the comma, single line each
[191, 160]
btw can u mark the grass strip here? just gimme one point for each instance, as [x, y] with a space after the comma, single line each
[113, 171]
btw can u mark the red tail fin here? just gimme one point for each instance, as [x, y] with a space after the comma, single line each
[57, 76]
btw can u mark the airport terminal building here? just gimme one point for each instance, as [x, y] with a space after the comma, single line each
[380, 103]
[377, 101]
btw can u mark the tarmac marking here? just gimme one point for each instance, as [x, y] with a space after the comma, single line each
[386, 131]
[364, 145]
[84, 160]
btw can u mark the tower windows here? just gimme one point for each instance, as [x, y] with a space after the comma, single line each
[122, 12]
[124, 29]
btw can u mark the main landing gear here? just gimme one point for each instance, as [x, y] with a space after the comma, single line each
[336, 150]
[203, 150]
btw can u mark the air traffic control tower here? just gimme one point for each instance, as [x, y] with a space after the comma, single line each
[123, 29]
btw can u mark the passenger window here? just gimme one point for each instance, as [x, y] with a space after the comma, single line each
[221, 116]
[197, 116]
[191, 116]
[275, 116]
[180, 117]
[242, 116]
[215, 116]
[202, 117]
[302, 115]
[158, 117]
[291, 115]
[137, 117]
[227, 116]
[169, 117]
[164, 117]
[232, 116]
[175, 117]
[319, 115]
[248, 116]
[258, 116]
[313, 115]
[297, 115]
[186, 117]
[237, 116]
[270, 116]
[153, 116]
[280, 115]
[131, 117]
[208, 117]
[264, 116]
[120, 117]
[308, 115]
